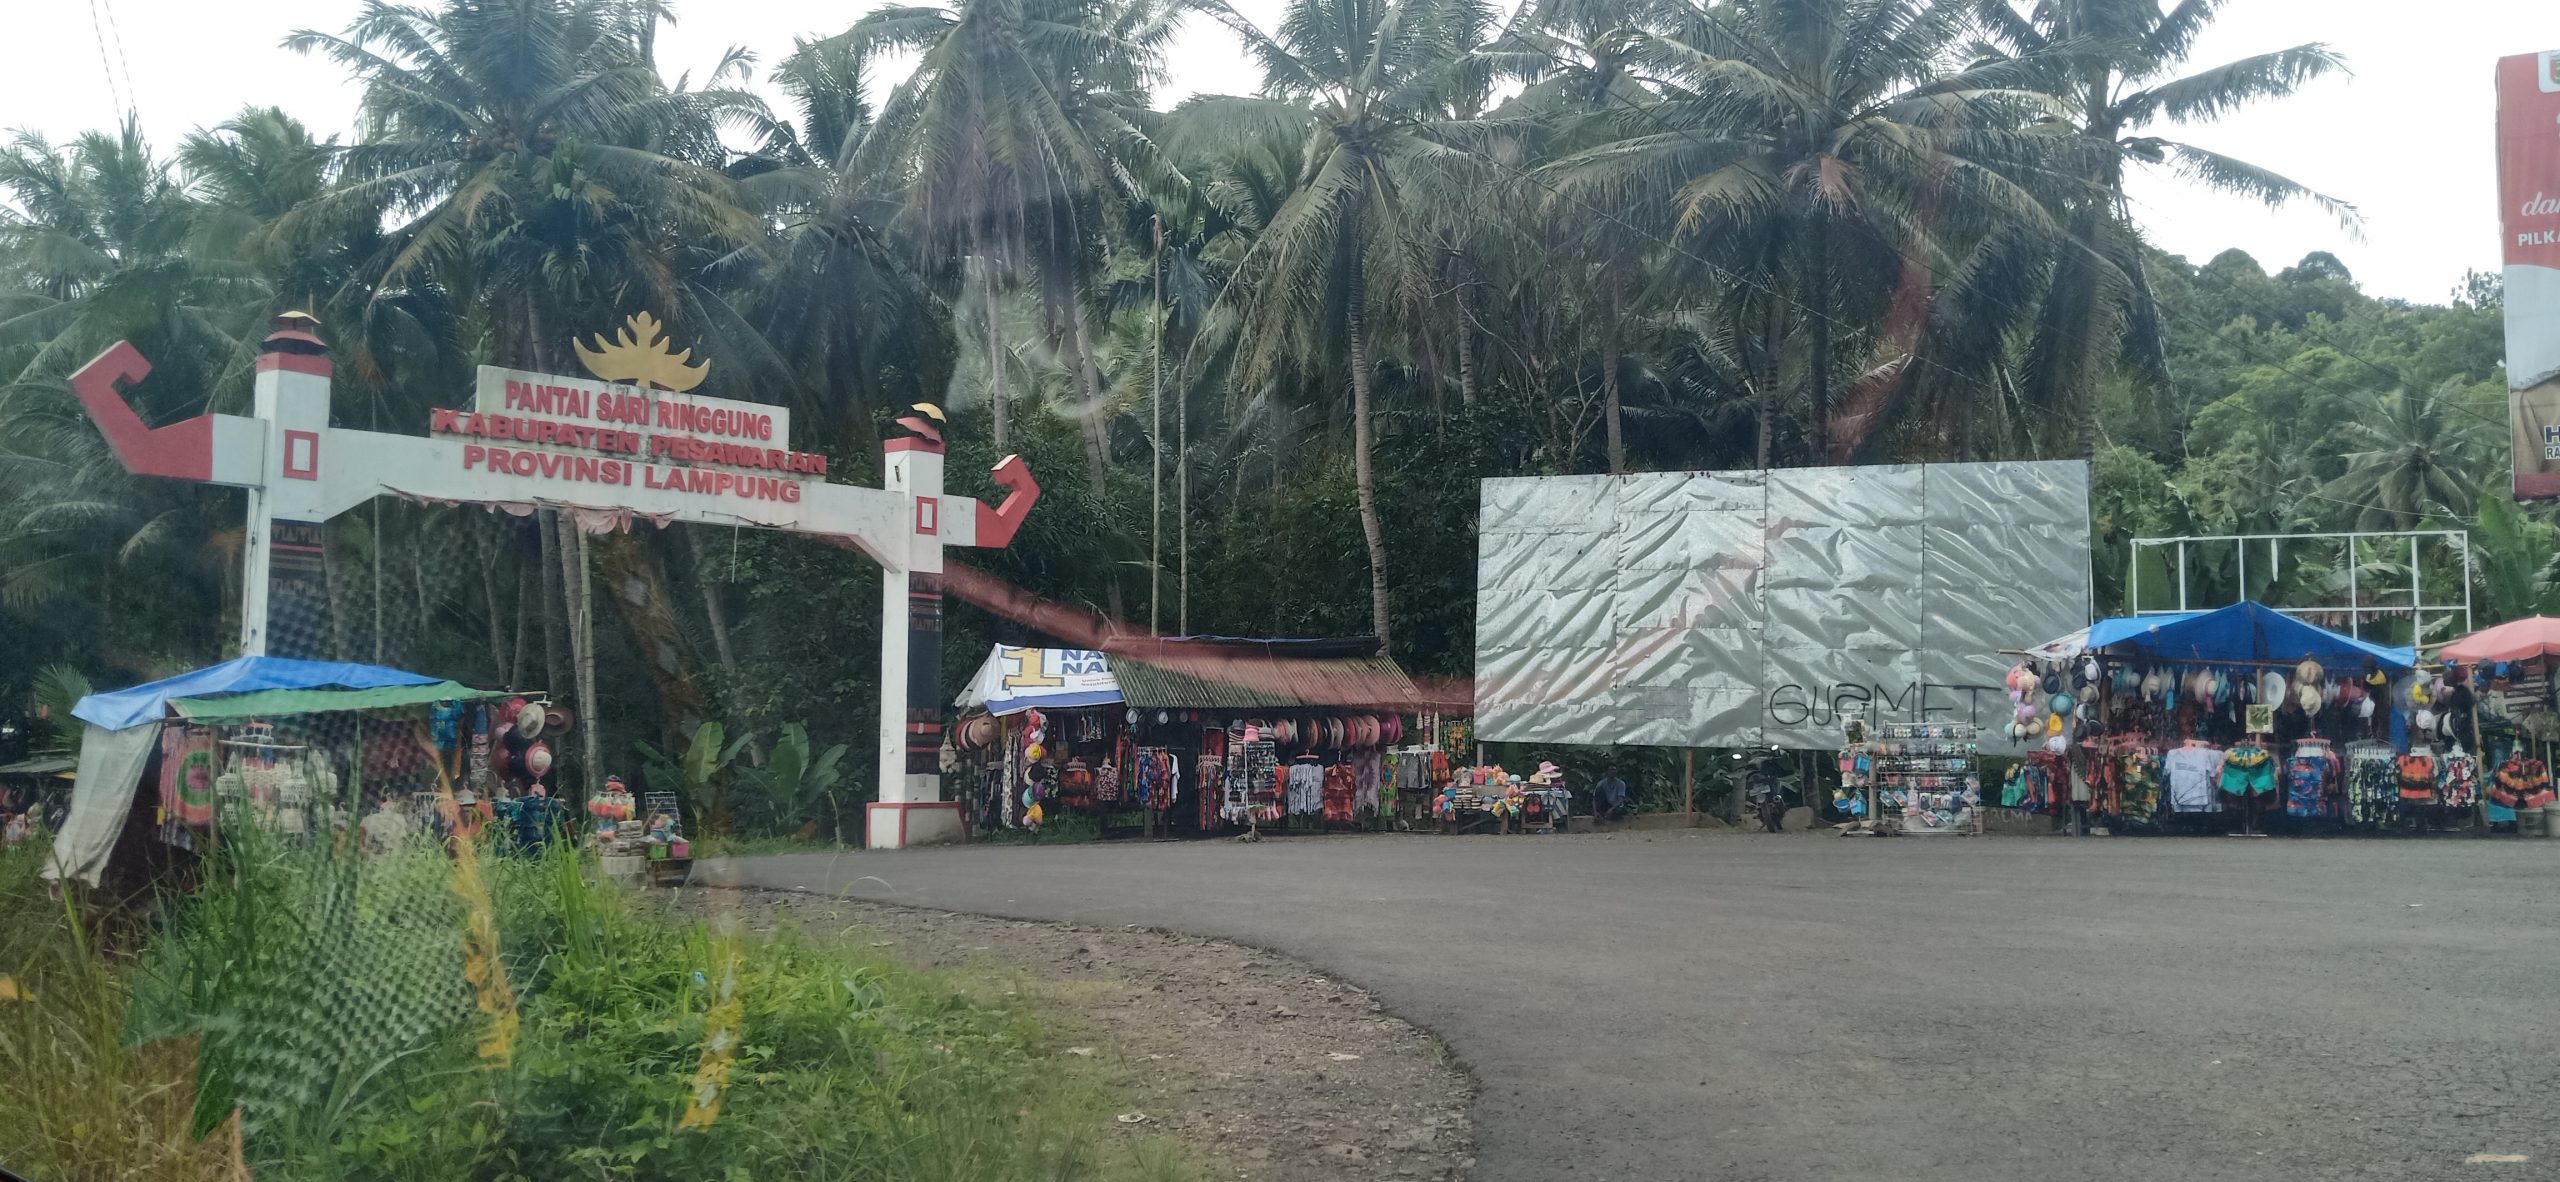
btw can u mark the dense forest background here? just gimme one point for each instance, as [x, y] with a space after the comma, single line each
[1258, 348]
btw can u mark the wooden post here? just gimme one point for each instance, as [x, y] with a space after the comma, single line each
[1688, 786]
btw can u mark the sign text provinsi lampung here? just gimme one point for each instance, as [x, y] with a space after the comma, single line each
[542, 424]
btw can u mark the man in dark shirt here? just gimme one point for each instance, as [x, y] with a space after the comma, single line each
[1609, 797]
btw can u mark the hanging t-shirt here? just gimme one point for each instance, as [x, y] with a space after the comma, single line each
[1306, 788]
[2418, 777]
[2308, 781]
[2194, 773]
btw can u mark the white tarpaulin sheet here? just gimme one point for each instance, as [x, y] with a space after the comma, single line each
[111, 764]
[1717, 609]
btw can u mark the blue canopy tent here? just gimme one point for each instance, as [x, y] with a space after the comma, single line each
[123, 730]
[2244, 631]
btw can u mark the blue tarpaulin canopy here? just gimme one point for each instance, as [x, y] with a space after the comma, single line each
[2244, 631]
[127, 708]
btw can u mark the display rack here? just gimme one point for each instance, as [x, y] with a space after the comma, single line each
[1921, 777]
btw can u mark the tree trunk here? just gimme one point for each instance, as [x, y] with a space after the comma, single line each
[489, 605]
[590, 720]
[555, 627]
[1466, 359]
[1609, 384]
[717, 614]
[636, 581]
[1817, 286]
[377, 580]
[712, 609]
[1362, 468]
[995, 349]
[1767, 394]
[570, 543]
[333, 568]
[1097, 425]
[525, 583]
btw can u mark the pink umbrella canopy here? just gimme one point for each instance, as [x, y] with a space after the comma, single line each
[2515, 640]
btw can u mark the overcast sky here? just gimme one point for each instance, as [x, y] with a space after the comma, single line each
[2408, 138]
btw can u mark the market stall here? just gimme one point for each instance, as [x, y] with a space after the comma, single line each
[2242, 718]
[286, 744]
[1914, 778]
[1490, 798]
[1195, 736]
[2510, 669]
[34, 794]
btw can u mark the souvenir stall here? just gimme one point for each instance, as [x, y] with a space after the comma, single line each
[1490, 798]
[1197, 736]
[2240, 719]
[1039, 734]
[285, 744]
[1916, 778]
[34, 793]
[2509, 668]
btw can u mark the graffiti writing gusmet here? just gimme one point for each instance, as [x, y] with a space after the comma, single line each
[1827, 704]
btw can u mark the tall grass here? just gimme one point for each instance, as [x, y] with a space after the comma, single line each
[327, 999]
[76, 1104]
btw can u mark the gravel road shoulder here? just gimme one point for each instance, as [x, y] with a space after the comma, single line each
[1271, 1071]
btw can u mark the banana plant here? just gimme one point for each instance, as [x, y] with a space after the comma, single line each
[705, 766]
[794, 778]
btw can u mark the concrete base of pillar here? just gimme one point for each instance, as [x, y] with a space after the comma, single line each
[890, 826]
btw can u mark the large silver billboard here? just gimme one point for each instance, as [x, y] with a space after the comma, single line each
[1717, 609]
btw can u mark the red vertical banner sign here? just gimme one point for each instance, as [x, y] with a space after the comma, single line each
[2529, 200]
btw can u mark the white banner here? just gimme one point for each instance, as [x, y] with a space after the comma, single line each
[1018, 679]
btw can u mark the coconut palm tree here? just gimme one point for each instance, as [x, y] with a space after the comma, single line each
[534, 166]
[839, 296]
[1026, 130]
[2117, 64]
[515, 147]
[2419, 456]
[1811, 152]
[1368, 85]
[95, 240]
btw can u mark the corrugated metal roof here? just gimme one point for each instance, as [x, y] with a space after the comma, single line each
[1250, 676]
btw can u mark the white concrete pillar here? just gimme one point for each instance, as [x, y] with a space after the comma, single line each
[285, 598]
[911, 810]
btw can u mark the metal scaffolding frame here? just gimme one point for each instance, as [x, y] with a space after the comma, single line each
[2354, 609]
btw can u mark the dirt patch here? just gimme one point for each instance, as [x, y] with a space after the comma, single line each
[1274, 1072]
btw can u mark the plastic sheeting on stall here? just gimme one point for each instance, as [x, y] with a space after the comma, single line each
[2244, 631]
[239, 675]
[111, 764]
[1728, 608]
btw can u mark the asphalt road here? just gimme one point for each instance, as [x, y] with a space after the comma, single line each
[1678, 1006]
